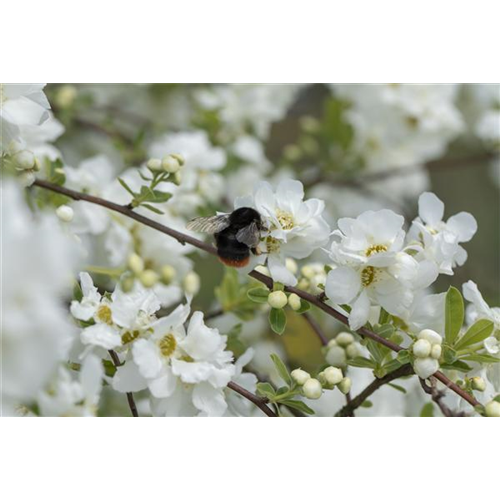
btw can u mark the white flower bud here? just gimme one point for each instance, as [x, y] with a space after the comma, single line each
[431, 336]
[312, 389]
[14, 147]
[308, 271]
[294, 301]
[148, 278]
[37, 166]
[179, 158]
[331, 343]
[352, 351]
[24, 160]
[336, 356]
[425, 367]
[436, 351]
[345, 385]
[170, 164]
[333, 375]
[191, 283]
[292, 152]
[277, 300]
[344, 339]
[422, 348]
[154, 164]
[168, 273]
[263, 270]
[27, 178]
[65, 213]
[127, 284]
[315, 281]
[300, 376]
[291, 265]
[135, 263]
[492, 409]
[478, 384]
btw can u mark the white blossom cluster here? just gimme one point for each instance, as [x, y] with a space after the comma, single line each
[97, 304]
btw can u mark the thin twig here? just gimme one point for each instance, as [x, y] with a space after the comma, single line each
[348, 409]
[214, 314]
[256, 400]
[184, 238]
[135, 418]
[437, 397]
[316, 328]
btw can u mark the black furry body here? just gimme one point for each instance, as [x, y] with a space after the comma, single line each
[230, 250]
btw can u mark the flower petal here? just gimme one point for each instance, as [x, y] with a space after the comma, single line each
[342, 285]
[430, 208]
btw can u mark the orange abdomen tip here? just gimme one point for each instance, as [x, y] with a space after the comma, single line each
[234, 262]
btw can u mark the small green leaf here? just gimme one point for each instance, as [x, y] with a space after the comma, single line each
[258, 294]
[427, 418]
[153, 209]
[384, 317]
[366, 404]
[385, 330]
[277, 320]
[278, 287]
[361, 362]
[392, 365]
[126, 186]
[298, 405]
[304, 307]
[478, 332]
[457, 365]
[449, 355]
[281, 369]
[404, 356]
[397, 387]
[454, 314]
[161, 196]
[266, 390]
[480, 358]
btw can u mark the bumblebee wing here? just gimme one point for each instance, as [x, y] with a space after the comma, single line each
[249, 235]
[211, 225]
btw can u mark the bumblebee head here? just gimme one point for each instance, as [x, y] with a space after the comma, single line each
[244, 216]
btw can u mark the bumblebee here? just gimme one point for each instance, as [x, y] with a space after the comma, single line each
[236, 234]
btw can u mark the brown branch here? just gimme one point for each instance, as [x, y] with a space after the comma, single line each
[256, 400]
[214, 314]
[348, 409]
[184, 238]
[316, 328]
[437, 397]
[130, 396]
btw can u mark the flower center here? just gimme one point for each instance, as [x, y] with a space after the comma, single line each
[272, 244]
[167, 345]
[104, 314]
[369, 275]
[375, 249]
[128, 336]
[285, 219]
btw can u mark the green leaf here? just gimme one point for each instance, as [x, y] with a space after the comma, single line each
[277, 320]
[478, 332]
[153, 209]
[161, 196]
[126, 186]
[384, 317]
[298, 405]
[304, 307]
[266, 390]
[454, 314]
[392, 365]
[258, 294]
[404, 356]
[278, 287]
[457, 365]
[281, 369]
[361, 362]
[366, 404]
[427, 418]
[480, 358]
[449, 355]
[397, 387]
[385, 330]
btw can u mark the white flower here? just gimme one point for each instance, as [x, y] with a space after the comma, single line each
[38, 262]
[296, 227]
[77, 398]
[171, 360]
[492, 409]
[21, 105]
[479, 309]
[371, 269]
[438, 241]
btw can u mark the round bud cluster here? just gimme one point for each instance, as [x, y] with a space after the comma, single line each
[25, 162]
[294, 301]
[427, 351]
[328, 379]
[492, 409]
[172, 163]
[340, 349]
[312, 278]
